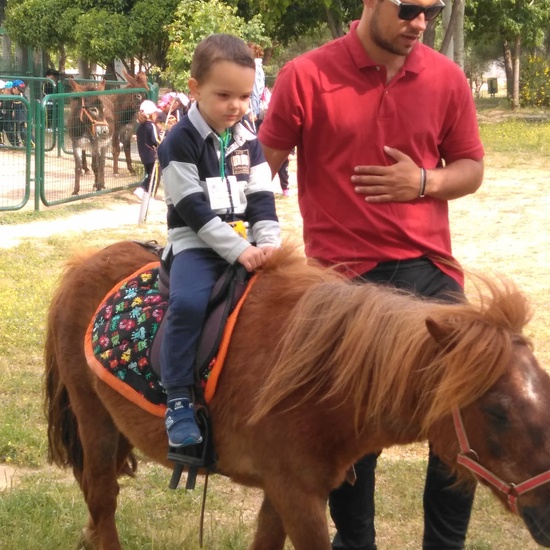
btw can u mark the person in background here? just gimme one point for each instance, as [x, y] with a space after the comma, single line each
[170, 112]
[284, 177]
[2, 112]
[8, 115]
[386, 135]
[216, 181]
[259, 83]
[183, 104]
[148, 140]
[48, 88]
[19, 113]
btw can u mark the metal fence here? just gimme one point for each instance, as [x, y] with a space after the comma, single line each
[36, 151]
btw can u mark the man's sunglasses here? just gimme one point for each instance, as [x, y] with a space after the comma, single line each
[408, 12]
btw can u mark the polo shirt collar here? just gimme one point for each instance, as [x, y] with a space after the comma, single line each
[414, 62]
[240, 133]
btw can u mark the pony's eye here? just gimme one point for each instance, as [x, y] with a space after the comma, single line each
[497, 415]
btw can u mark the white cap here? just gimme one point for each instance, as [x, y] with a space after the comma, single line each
[2, 84]
[148, 107]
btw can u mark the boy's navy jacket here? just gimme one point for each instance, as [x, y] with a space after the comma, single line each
[189, 154]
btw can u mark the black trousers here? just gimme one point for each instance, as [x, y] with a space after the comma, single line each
[446, 509]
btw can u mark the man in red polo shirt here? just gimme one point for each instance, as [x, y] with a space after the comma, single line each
[386, 134]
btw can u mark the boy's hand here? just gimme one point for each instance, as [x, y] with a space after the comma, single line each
[268, 251]
[252, 258]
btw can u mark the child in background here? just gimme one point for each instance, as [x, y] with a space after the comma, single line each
[216, 181]
[148, 140]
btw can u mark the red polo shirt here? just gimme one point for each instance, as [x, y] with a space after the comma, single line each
[333, 103]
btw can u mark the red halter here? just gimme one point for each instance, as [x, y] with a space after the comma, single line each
[512, 491]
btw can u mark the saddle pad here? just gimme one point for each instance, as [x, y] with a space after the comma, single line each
[120, 337]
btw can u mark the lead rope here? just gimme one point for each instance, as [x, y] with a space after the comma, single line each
[203, 507]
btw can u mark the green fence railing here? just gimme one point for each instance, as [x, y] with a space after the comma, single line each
[46, 159]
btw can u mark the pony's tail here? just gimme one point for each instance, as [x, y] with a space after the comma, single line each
[64, 445]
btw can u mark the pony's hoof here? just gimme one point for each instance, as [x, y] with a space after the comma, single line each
[88, 540]
[75, 193]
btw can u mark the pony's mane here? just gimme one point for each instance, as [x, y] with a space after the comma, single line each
[370, 344]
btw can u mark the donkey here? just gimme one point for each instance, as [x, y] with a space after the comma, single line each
[126, 110]
[91, 125]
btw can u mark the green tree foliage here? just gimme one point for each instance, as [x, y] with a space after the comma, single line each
[517, 24]
[508, 19]
[43, 24]
[535, 82]
[196, 19]
[96, 30]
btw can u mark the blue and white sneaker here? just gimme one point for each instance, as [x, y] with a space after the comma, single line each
[181, 425]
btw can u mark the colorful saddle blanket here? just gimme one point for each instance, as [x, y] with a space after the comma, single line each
[120, 337]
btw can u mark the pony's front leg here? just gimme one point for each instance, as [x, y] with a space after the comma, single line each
[77, 152]
[115, 148]
[270, 533]
[84, 164]
[100, 180]
[128, 155]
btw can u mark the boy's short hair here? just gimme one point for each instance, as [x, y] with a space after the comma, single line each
[216, 48]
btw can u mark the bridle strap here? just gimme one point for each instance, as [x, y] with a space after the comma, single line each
[94, 122]
[469, 459]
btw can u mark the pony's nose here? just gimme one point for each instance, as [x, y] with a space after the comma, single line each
[102, 130]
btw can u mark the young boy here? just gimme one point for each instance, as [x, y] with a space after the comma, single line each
[216, 181]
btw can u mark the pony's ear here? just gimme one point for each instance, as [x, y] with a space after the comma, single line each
[74, 85]
[438, 331]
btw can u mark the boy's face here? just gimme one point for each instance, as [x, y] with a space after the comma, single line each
[224, 96]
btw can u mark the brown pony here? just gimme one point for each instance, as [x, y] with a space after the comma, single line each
[126, 110]
[320, 372]
[90, 126]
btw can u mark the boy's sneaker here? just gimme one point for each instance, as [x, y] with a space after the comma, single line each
[286, 193]
[139, 192]
[181, 425]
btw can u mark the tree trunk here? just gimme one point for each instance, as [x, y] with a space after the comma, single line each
[429, 35]
[508, 68]
[84, 70]
[459, 55]
[62, 60]
[334, 23]
[268, 54]
[448, 31]
[517, 53]
[110, 71]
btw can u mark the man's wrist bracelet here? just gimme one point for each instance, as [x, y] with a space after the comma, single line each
[422, 192]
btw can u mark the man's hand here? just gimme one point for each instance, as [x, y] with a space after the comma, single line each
[399, 182]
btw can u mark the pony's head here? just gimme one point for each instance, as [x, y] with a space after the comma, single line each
[130, 103]
[91, 115]
[501, 438]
